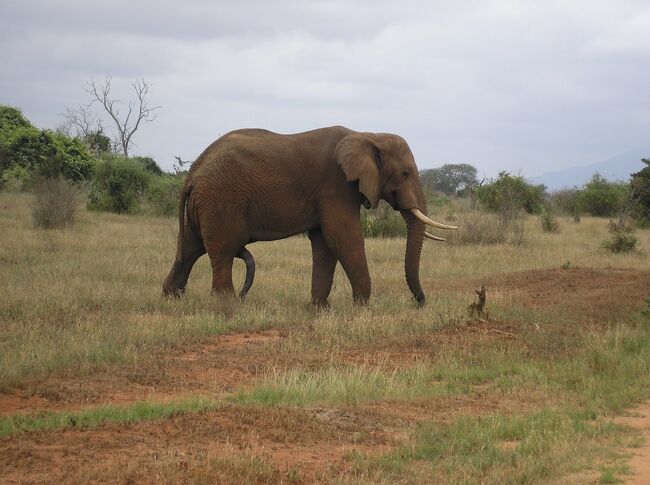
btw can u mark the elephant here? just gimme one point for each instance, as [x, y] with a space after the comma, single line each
[255, 185]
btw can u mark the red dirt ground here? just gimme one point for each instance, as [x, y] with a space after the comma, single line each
[309, 441]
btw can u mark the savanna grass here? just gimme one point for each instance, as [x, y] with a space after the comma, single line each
[90, 418]
[348, 386]
[79, 299]
[88, 299]
[533, 448]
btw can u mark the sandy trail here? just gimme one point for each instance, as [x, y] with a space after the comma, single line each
[639, 464]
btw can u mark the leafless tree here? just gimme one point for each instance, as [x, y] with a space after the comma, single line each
[138, 110]
[81, 122]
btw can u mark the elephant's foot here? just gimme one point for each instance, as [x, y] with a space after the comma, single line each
[173, 292]
[320, 304]
[361, 300]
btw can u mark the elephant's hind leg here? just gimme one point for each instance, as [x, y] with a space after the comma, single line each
[324, 264]
[221, 261]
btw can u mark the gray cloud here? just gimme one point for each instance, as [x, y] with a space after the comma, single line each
[524, 86]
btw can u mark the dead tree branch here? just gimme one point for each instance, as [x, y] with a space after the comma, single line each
[82, 122]
[137, 111]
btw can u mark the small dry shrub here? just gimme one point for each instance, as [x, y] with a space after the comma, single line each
[549, 223]
[55, 203]
[621, 242]
[486, 228]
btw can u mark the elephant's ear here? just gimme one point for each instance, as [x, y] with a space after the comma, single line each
[357, 156]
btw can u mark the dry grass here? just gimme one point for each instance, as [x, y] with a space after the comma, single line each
[86, 302]
[96, 290]
[55, 203]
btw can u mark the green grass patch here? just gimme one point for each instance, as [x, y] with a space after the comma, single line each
[347, 385]
[520, 449]
[141, 411]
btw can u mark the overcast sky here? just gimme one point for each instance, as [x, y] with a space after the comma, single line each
[528, 86]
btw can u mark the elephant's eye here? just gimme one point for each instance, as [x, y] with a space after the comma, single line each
[405, 173]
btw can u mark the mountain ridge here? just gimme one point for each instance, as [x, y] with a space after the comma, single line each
[616, 168]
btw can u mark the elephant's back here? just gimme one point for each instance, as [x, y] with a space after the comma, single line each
[254, 152]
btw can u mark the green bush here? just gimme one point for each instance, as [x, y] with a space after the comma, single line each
[118, 185]
[16, 178]
[508, 194]
[640, 184]
[28, 147]
[55, 203]
[41, 152]
[74, 161]
[601, 197]
[567, 202]
[163, 193]
[149, 165]
[621, 242]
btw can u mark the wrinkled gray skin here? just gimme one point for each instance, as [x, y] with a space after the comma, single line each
[254, 185]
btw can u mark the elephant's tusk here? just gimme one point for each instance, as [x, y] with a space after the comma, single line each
[426, 220]
[431, 236]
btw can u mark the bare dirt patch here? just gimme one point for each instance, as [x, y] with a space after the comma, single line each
[589, 294]
[306, 444]
[307, 440]
[210, 369]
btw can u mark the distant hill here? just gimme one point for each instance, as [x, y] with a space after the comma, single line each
[616, 168]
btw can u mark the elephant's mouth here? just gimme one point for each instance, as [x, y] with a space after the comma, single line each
[391, 200]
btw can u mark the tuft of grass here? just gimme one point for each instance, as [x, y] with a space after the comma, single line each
[90, 418]
[348, 385]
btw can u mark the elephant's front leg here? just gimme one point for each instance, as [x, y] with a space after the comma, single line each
[344, 235]
[324, 264]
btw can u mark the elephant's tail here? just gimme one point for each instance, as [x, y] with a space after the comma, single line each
[185, 194]
[245, 255]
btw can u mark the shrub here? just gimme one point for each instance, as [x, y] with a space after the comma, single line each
[485, 228]
[41, 152]
[640, 185]
[567, 201]
[55, 203]
[601, 197]
[163, 193]
[118, 185]
[149, 165]
[73, 159]
[621, 242]
[508, 194]
[16, 178]
[549, 223]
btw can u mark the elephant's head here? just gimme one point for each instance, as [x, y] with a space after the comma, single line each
[385, 168]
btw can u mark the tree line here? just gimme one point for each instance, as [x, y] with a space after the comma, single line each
[81, 152]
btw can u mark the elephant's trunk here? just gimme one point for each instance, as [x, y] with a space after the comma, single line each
[414, 240]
